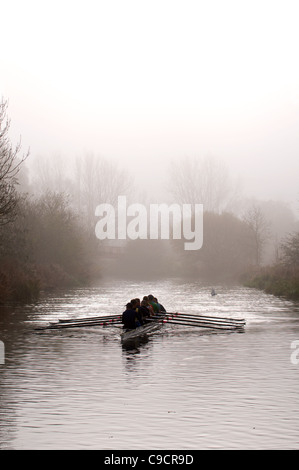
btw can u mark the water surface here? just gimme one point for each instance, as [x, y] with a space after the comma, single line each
[184, 388]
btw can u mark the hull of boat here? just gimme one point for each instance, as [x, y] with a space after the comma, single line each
[139, 332]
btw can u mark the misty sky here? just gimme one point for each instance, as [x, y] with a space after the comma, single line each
[146, 81]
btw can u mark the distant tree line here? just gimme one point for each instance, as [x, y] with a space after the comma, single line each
[240, 236]
[47, 227]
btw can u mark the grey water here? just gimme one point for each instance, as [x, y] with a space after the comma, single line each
[183, 388]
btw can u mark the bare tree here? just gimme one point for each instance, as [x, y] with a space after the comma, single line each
[9, 168]
[260, 230]
[51, 174]
[202, 181]
[98, 180]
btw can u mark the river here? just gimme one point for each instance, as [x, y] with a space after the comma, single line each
[184, 388]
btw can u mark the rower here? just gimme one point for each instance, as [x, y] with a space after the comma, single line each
[144, 310]
[161, 308]
[130, 318]
[153, 303]
[141, 309]
[148, 305]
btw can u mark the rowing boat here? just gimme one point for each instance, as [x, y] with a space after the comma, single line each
[139, 332]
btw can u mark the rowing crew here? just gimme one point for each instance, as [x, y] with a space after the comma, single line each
[138, 311]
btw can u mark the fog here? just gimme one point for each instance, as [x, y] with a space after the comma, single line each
[143, 83]
[163, 101]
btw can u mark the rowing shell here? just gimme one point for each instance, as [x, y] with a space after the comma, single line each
[139, 332]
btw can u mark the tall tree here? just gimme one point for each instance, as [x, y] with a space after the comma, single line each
[225, 253]
[9, 167]
[202, 181]
[260, 230]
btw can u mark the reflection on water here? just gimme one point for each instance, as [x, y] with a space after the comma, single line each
[181, 388]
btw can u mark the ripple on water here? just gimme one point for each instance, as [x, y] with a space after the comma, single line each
[182, 389]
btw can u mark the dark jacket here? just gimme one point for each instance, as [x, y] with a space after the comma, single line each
[144, 312]
[131, 319]
[161, 308]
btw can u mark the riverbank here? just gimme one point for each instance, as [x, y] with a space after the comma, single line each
[23, 283]
[277, 280]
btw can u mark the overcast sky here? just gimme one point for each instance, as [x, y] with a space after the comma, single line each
[146, 81]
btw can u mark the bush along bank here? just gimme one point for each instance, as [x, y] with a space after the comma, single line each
[277, 280]
[24, 283]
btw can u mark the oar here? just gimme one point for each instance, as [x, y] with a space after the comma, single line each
[205, 316]
[205, 324]
[104, 317]
[78, 324]
[199, 324]
[199, 316]
[213, 320]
